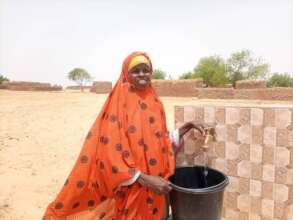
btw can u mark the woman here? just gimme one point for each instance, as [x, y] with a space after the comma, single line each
[126, 159]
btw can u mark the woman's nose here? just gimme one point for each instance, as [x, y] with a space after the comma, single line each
[141, 73]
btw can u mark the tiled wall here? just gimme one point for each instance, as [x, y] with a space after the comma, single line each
[255, 149]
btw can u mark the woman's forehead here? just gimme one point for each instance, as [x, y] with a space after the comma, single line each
[140, 66]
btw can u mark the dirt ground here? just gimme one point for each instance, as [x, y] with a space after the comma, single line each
[41, 134]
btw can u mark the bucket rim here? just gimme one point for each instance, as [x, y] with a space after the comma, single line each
[206, 190]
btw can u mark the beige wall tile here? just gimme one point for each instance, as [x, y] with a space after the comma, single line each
[243, 202]
[244, 116]
[279, 210]
[230, 200]
[220, 115]
[231, 168]
[255, 205]
[256, 153]
[268, 173]
[290, 187]
[281, 174]
[256, 116]
[291, 158]
[281, 193]
[282, 137]
[267, 207]
[282, 118]
[256, 171]
[257, 135]
[290, 138]
[221, 132]
[232, 115]
[179, 114]
[289, 212]
[221, 164]
[243, 216]
[244, 152]
[267, 190]
[270, 135]
[232, 151]
[282, 157]
[199, 114]
[209, 115]
[231, 214]
[269, 117]
[231, 133]
[253, 216]
[244, 169]
[255, 187]
[289, 177]
[189, 114]
[268, 155]
[233, 184]
[244, 134]
[220, 149]
[244, 185]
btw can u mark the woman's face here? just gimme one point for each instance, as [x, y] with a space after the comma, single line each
[140, 76]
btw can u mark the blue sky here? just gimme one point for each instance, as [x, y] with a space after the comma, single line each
[44, 40]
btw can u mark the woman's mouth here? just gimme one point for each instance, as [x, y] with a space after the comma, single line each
[142, 81]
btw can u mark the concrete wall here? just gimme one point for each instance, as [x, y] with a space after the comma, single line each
[101, 87]
[255, 149]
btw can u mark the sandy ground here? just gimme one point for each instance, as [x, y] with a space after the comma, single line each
[41, 134]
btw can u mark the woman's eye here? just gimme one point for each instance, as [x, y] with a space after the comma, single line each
[135, 72]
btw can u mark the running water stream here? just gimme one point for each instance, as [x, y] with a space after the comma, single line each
[209, 136]
[205, 169]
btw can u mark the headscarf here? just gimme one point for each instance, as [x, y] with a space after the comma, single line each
[138, 60]
[129, 135]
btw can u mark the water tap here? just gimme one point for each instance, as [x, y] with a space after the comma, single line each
[209, 136]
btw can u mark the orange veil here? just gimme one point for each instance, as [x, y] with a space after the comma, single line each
[129, 135]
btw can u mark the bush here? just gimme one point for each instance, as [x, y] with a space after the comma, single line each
[280, 80]
[158, 74]
[187, 75]
[3, 78]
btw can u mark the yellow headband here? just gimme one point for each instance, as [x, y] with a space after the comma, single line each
[138, 60]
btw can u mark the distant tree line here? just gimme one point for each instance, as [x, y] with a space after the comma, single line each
[216, 71]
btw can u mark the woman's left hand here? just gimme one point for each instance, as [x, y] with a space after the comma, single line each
[193, 125]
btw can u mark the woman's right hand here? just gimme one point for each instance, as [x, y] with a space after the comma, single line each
[156, 184]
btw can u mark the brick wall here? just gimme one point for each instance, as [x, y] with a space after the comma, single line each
[78, 87]
[180, 88]
[29, 86]
[250, 84]
[255, 149]
[277, 93]
[101, 87]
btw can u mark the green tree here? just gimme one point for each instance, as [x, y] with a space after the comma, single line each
[158, 74]
[187, 75]
[80, 76]
[280, 80]
[212, 70]
[3, 78]
[241, 65]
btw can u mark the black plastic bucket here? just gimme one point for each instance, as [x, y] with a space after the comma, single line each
[197, 193]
